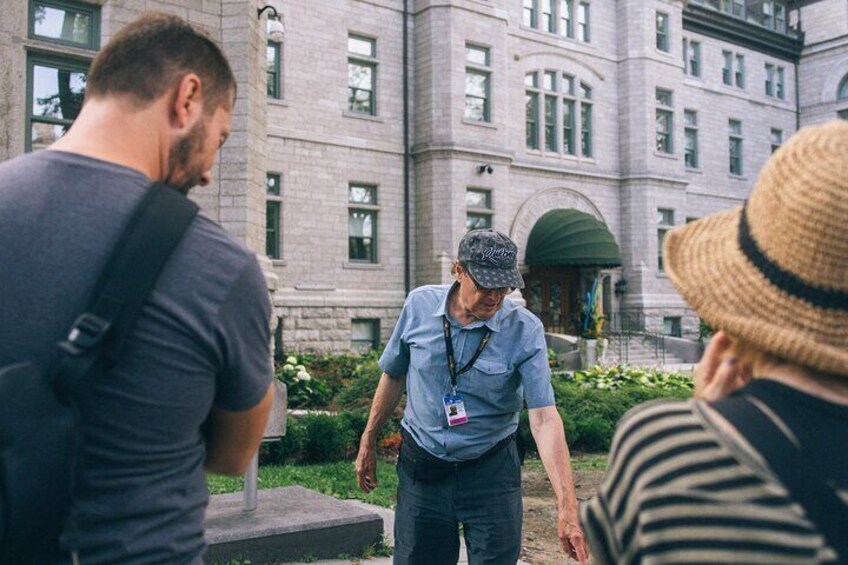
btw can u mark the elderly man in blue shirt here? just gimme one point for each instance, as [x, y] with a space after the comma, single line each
[467, 358]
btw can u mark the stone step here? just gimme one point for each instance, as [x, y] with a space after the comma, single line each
[288, 524]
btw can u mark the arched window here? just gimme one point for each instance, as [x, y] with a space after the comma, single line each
[558, 109]
[842, 92]
[842, 98]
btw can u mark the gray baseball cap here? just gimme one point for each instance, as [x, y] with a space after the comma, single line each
[492, 259]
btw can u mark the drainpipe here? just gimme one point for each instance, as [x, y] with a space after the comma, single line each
[407, 271]
[797, 80]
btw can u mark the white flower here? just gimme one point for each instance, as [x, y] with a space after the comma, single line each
[291, 360]
[303, 376]
[300, 368]
[288, 368]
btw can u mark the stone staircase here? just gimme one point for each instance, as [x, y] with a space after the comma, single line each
[640, 352]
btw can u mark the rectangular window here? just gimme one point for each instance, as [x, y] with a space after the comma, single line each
[774, 15]
[477, 83]
[478, 203]
[362, 223]
[665, 121]
[272, 66]
[665, 221]
[842, 114]
[586, 121]
[550, 124]
[735, 146]
[531, 105]
[769, 80]
[362, 75]
[690, 131]
[273, 213]
[529, 13]
[776, 139]
[780, 86]
[692, 58]
[548, 16]
[66, 22]
[364, 335]
[662, 32]
[671, 326]
[727, 67]
[55, 92]
[740, 71]
[566, 20]
[583, 22]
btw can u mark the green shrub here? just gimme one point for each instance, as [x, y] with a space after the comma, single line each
[623, 376]
[327, 438]
[591, 414]
[358, 392]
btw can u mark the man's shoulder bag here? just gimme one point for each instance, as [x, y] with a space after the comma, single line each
[40, 439]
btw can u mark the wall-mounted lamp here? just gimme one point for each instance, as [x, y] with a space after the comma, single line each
[620, 287]
[276, 29]
[485, 168]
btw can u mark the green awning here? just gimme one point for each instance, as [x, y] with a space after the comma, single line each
[571, 238]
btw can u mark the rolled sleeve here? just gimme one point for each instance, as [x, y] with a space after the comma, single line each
[536, 373]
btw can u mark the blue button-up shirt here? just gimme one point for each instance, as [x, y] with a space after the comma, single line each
[513, 367]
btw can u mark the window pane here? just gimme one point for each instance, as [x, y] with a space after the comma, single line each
[568, 127]
[56, 92]
[361, 46]
[64, 24]
[478, 221]
[360, 76]
[364, 335]
[272, 229]
[362, 194]
[568, 84]
[665, 217]
[586, 129]
[44, 135]
[690, 117]
[475, 109]
[531, 79]
[663, 97]
[583, 22]
[477, 199]
[272, 183]
[476, 84]
[272, 65]
[585, 90]
[565, 19]
[477, 55]
[531, 109]
[550, 123]
[549, 82]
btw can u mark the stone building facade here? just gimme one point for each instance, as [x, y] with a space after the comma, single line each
[369, 139]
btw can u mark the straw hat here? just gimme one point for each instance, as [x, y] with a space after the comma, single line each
[775, 272]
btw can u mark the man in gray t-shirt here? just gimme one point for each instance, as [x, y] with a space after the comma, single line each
[192, 387]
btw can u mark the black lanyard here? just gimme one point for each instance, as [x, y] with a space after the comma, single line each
[449, 349]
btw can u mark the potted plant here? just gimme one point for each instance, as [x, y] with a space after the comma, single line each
[592, 344]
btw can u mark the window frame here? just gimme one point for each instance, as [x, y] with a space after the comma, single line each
[94, 11]
[665, 222]
[374, 343]
[690, 132]
[364, 61]
[664, 110]
[584, 22]
[776, 139]
[275, 93]
[371, 209]
[735, 139]
[485, 213]
[691, 57]
[274, 200]
[663, 37]
[58, 62]
[472, 68]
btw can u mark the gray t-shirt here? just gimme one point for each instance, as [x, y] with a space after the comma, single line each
[202, 339]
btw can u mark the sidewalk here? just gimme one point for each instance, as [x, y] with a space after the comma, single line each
[388, 527]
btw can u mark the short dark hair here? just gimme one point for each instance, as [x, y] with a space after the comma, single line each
[154, 52]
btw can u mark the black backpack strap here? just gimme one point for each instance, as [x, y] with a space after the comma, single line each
[98, 335]
[805, 483]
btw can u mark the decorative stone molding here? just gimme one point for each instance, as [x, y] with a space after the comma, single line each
[541, 203]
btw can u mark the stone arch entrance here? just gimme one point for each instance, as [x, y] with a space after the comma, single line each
[566, 245]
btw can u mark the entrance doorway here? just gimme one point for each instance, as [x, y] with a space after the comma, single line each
[552, 294]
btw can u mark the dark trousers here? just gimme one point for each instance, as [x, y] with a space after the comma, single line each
[483, 496]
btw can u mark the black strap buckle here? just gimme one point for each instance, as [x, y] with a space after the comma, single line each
[86, 332]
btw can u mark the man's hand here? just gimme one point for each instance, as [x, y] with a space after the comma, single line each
[366, 467]
[718, 373]
[572, 540]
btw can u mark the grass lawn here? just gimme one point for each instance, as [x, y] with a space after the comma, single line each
[338, 479]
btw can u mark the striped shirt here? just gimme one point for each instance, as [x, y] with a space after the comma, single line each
[684, 487]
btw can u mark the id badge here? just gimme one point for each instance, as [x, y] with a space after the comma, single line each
[455, 409]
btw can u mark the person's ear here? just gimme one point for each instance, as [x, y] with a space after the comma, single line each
[188, 101]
